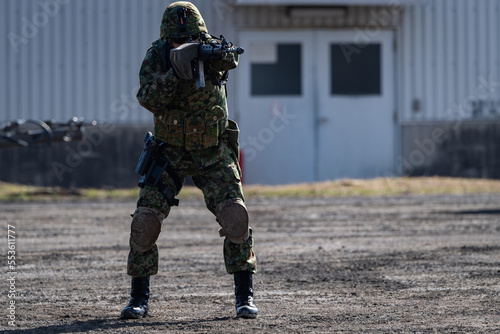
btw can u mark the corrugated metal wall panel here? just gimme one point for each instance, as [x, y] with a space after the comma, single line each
[4, 44]
[460, 51]
[58, 66]
[428, 63]
[461, 48]
[450, 70]
[82, 58]
[405, 58]
[470, 52]
[482, 42]
[493, 29]
[6, 57]
[418, 74]
[439, 47]
[497, 40]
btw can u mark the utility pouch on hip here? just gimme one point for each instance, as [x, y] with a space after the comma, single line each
[151, 166]
[232, 135]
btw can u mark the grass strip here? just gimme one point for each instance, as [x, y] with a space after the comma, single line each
[338, 188]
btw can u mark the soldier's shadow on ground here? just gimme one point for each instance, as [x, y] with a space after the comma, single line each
[103, 324]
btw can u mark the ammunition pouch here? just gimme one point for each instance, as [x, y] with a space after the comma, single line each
[195, 132]
[151, 166]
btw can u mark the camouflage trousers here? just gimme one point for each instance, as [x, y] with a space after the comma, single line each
[218, 182]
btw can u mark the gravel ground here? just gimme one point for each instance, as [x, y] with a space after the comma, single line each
[411, 264]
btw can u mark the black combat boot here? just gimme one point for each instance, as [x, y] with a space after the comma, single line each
[138, 305]
[245, 307]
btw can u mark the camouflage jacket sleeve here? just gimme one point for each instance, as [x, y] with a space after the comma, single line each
[157, 86]
[229, 62]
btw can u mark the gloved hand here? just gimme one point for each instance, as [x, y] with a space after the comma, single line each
[181, 58]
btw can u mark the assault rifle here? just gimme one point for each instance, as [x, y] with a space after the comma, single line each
[213, 51]
[23, 133]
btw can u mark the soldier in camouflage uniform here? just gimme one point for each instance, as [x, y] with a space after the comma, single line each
[201, 142]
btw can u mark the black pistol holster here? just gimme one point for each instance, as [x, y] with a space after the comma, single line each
[151, 166]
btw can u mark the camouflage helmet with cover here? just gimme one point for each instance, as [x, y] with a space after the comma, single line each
[181, 20]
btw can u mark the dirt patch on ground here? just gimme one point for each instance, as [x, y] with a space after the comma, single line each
[371, 265]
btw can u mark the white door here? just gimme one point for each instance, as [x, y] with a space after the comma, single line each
[356, 128]
[274, 103]
[315, 105]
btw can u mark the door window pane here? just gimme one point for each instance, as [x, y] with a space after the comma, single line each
[355, 69]
[282, 77]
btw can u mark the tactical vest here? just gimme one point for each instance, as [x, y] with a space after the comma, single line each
[184, 128]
